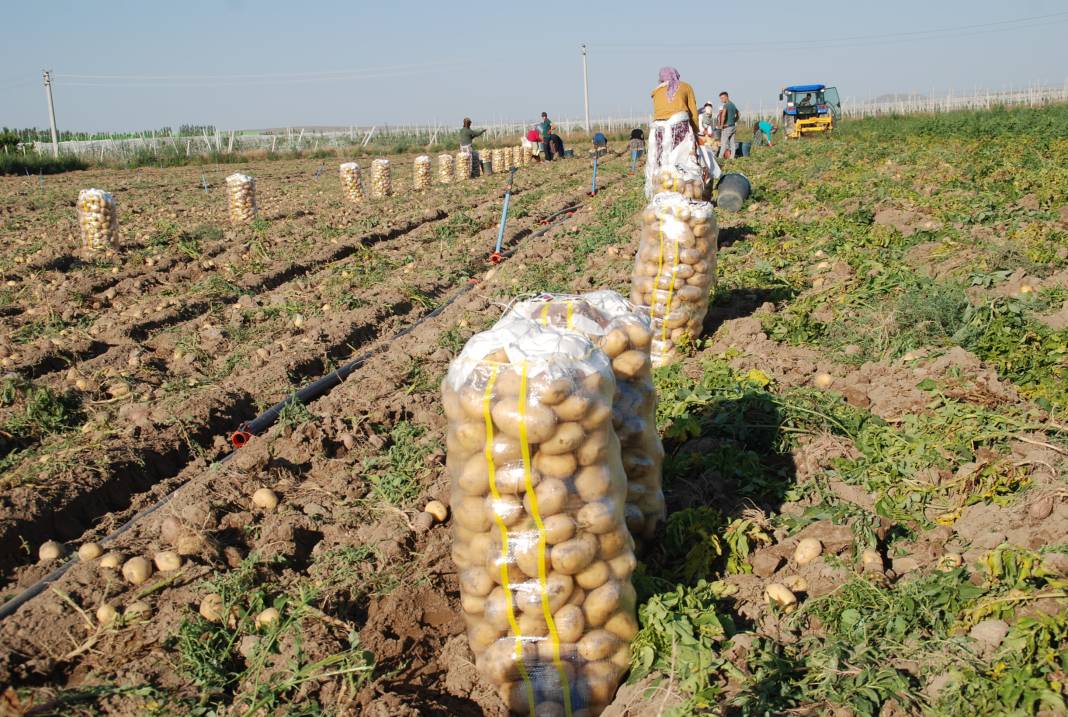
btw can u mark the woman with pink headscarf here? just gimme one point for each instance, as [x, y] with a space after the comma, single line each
[673, 133]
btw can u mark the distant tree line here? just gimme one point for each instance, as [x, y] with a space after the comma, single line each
[11, 137]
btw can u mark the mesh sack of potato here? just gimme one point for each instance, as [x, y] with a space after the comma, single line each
[500, 164]
[538, 492]
[674, 269]
[421, 175]
[463, 166]
[97, 219]
[624, 333]
[381, 179]
[446, 170]
[241, 194]
[352, 181]
[517, 155]
[528, 155]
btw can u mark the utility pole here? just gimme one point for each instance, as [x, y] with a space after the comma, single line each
[51, 112]
[586, 88]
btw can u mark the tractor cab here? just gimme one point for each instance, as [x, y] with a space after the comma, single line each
[809, 109]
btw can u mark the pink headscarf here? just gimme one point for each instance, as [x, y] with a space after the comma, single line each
[671, 76]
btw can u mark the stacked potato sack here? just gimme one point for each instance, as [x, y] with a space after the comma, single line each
[528, 155]
[421, 172]
[538, 491]
[499, 162]
[689, 185]
[98, 219]
[517, 155]
[624, 334]
[381, 179]
[241, 190]
[674, 269]
[446, 169]
[463, 166]
[352, 182]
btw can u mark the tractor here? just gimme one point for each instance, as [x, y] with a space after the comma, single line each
[809, 109]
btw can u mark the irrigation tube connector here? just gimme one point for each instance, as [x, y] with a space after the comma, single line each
[265, 420]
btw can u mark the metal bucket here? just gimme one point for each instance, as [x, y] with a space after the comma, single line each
[733, 189]
[569, 153]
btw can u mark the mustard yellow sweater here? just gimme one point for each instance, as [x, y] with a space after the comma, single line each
[684, 101]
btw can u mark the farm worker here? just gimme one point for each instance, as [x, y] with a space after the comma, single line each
[467, 137]
[636, 147]
[707, 120]
[532, 140]
[600, 144]
[673, 132]
[546, 128]
[762, 132]
[556, 145]
[806, 100]
[728, 118]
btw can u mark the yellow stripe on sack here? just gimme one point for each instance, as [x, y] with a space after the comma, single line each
[491, 469]
[671, 289]
[570, 314]
[524, 447]
[545, 314]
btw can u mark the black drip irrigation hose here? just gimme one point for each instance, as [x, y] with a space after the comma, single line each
[265, 420]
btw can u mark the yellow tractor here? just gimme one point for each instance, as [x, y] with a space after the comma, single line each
[809, 109]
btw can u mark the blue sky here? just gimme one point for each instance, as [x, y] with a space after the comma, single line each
[248, 64]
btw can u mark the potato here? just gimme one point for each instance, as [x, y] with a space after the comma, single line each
[496, 609]
[50, 550]
[602, 603]
[472, 402]
[508, 508]
[438, 510]
[137, 570]
[137, 609]
[472, 604]
[623, 625]
[89, 552]
[567, 438]
[807, 550]
[265, 499]
[593, 575]
[613, 543]
[499, 663]
[594, 449]
[558, 587]
[211, 607]
[552, 497]
[578, 596]
[532, 624]
[167, 561]
[573, 556]
[267, 617]
[631, 364]
[594, 482]
[600, 516]
[623, 565]
[112, 560]
[476, 581]
[469, 436]
[553, 391]
[481, 635]
[570, 623]
[559, 528]
[574, 407]
[614, 343]
[528, 553]
[471, 512]
[597, 645]
[599, 413]
[602, 679]
[539, 421]
[106, 614]
[517, 697]
[555, 466]
[780, 595]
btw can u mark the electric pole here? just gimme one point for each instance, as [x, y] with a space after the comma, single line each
[51, 112]
[586, 88]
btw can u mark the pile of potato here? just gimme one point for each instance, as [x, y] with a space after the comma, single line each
[446, 168]
[352, 182]
[691, 186]
[98, 219]
[463, 166]
[624, 334]
[674, 269]
[538, 492]
[241, 193]
[381, 179]
[500, 162]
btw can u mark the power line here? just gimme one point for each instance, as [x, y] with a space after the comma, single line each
[911, 35]
[321, 75]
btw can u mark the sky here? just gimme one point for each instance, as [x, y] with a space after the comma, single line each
[123, 65]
